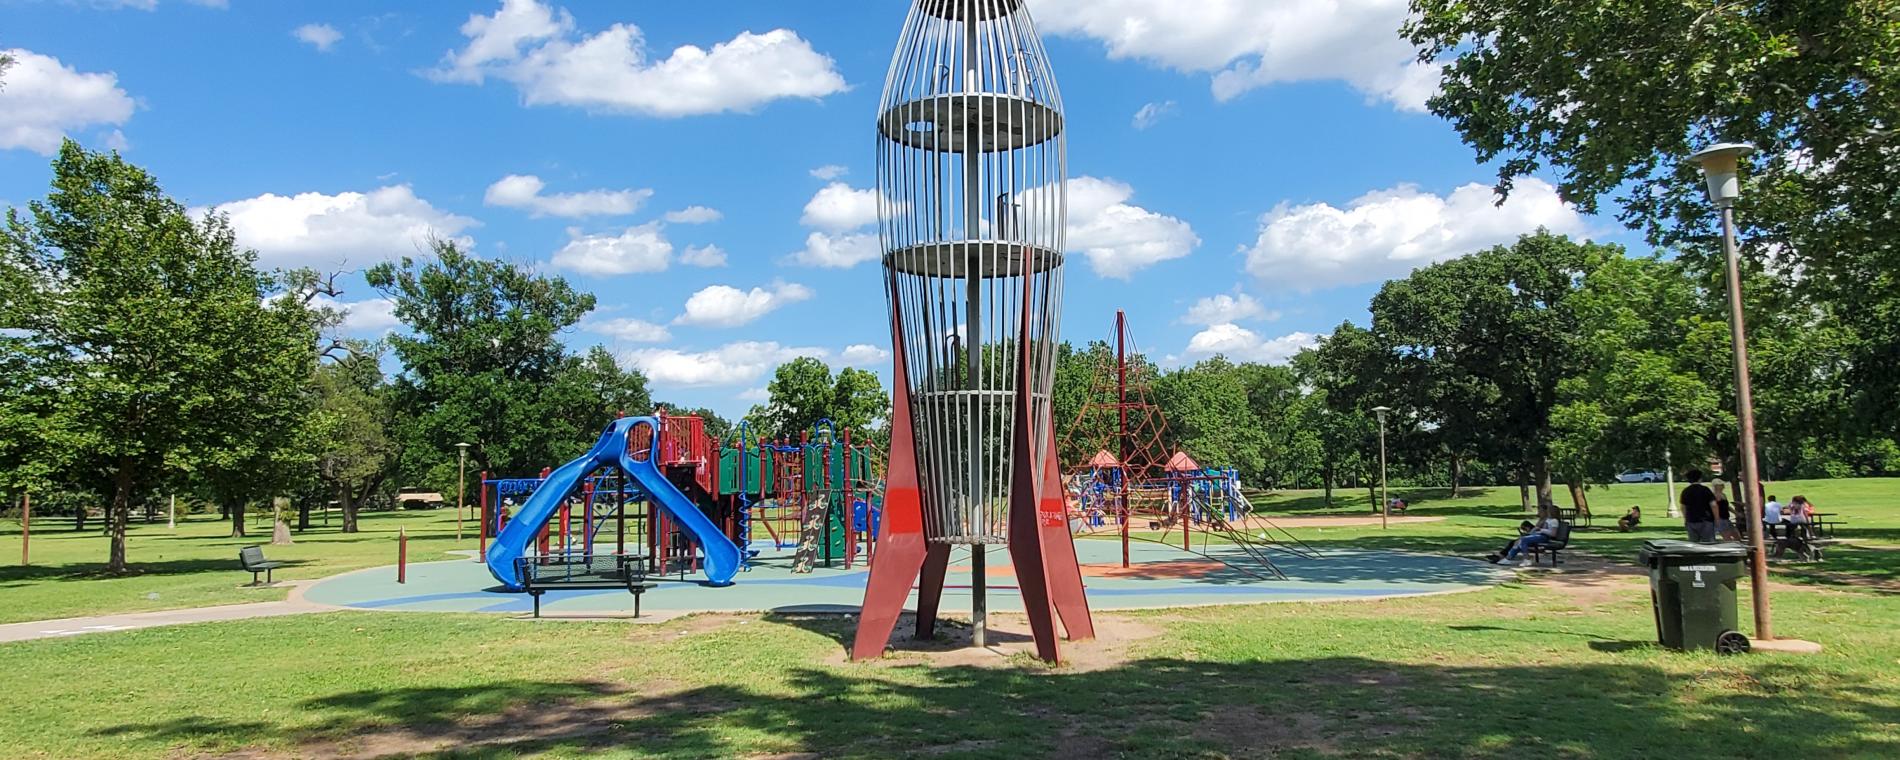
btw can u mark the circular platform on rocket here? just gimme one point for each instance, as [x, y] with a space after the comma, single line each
[956, 122]
[958, 10]
[981, 259]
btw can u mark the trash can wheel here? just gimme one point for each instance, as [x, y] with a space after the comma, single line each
[1731, 642]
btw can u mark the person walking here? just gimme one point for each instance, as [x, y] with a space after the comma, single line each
[1698, 508]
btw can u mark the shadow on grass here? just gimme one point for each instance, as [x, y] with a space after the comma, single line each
[15, 575]
[1338, 706]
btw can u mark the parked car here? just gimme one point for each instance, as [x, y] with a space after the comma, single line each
[1639, 476]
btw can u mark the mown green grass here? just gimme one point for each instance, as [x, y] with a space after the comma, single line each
[1509, 672]
[196, 564]
[1482, 519]
[1532, 669]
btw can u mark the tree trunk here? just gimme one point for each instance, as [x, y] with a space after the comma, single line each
[1457, 475]
[79, 517]
[1523, 490]
[1577, 497]
[1326, 479]
[1546, 501]
[235, 509]
[303, 515]
[116, 517]
[347, 501]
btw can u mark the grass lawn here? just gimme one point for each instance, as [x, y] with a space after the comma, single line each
[1555, 665]
[1482, 519]
[195, 565]
[1522, 670]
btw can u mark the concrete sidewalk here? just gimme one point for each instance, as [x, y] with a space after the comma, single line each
[46, 629]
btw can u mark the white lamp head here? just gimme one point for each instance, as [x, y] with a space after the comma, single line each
[1719, 163]
[1381, 410]
[462, 446]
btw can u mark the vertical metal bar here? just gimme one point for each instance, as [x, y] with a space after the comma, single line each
[972, 331]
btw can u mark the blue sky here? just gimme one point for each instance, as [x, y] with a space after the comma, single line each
[1243, 174]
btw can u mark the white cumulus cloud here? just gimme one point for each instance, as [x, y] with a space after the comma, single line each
[741, 363]
[839, 207]
[371, 315]
[864, 354]
[1244, 345]
[694, 215]
[642, 248]
[523, 191]
[319, 36]
[629, 329]
[315, 229]
[829, 172]
[43, 99]
[1247, 44]
[1214, 310]
[708, 256]
[727, 306]
[1120, 239]
[1388, 233]
[537, 48]
[823, 249]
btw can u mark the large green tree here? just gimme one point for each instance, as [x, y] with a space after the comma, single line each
[1503, 323]
[355, 453]
[132, 308]
[1611, 97]
[482, 360]
[803, 391]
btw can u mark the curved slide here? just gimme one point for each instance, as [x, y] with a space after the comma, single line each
[722, 556]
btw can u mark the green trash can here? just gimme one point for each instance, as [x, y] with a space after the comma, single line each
[1692, 591]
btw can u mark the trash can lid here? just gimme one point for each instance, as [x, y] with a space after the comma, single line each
[1669, 547]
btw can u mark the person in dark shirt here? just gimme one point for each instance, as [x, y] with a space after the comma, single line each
[1698, 508]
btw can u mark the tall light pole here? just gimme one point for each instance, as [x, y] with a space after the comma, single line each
[1669, 478]
[1385, 501]
[1719, 163]
[461, 486]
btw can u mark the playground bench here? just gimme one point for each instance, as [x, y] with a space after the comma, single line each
[252, 559]
[540, 575]
[1552, 547]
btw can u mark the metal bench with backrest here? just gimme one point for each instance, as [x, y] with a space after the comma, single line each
[252, 558]
[601, 572]
[1554, 546]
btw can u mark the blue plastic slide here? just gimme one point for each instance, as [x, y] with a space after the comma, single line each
[722, 557]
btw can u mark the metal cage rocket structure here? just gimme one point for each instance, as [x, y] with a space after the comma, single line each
[972, 203]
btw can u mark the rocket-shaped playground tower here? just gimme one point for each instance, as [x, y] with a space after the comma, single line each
[972, 199]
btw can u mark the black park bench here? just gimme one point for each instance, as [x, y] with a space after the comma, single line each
[600, 572]
[1556, 544]
[252, 558]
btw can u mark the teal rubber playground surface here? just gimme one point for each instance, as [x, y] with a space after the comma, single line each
[1159, 576]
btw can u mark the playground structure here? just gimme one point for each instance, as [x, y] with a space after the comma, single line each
[972, 188]
[656, 495]
[1143, 487]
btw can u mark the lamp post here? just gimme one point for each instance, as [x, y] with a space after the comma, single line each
[461, 486]
[1719, 163]
[1385, 501]
[1669, 478]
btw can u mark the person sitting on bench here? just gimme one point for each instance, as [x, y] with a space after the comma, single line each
[1533, 536]
[1628, 522]
[1795, 535]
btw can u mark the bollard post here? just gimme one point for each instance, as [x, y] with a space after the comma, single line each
[402, 556]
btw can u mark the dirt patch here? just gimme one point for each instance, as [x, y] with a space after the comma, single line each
[1009, 643]
[588, 722]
